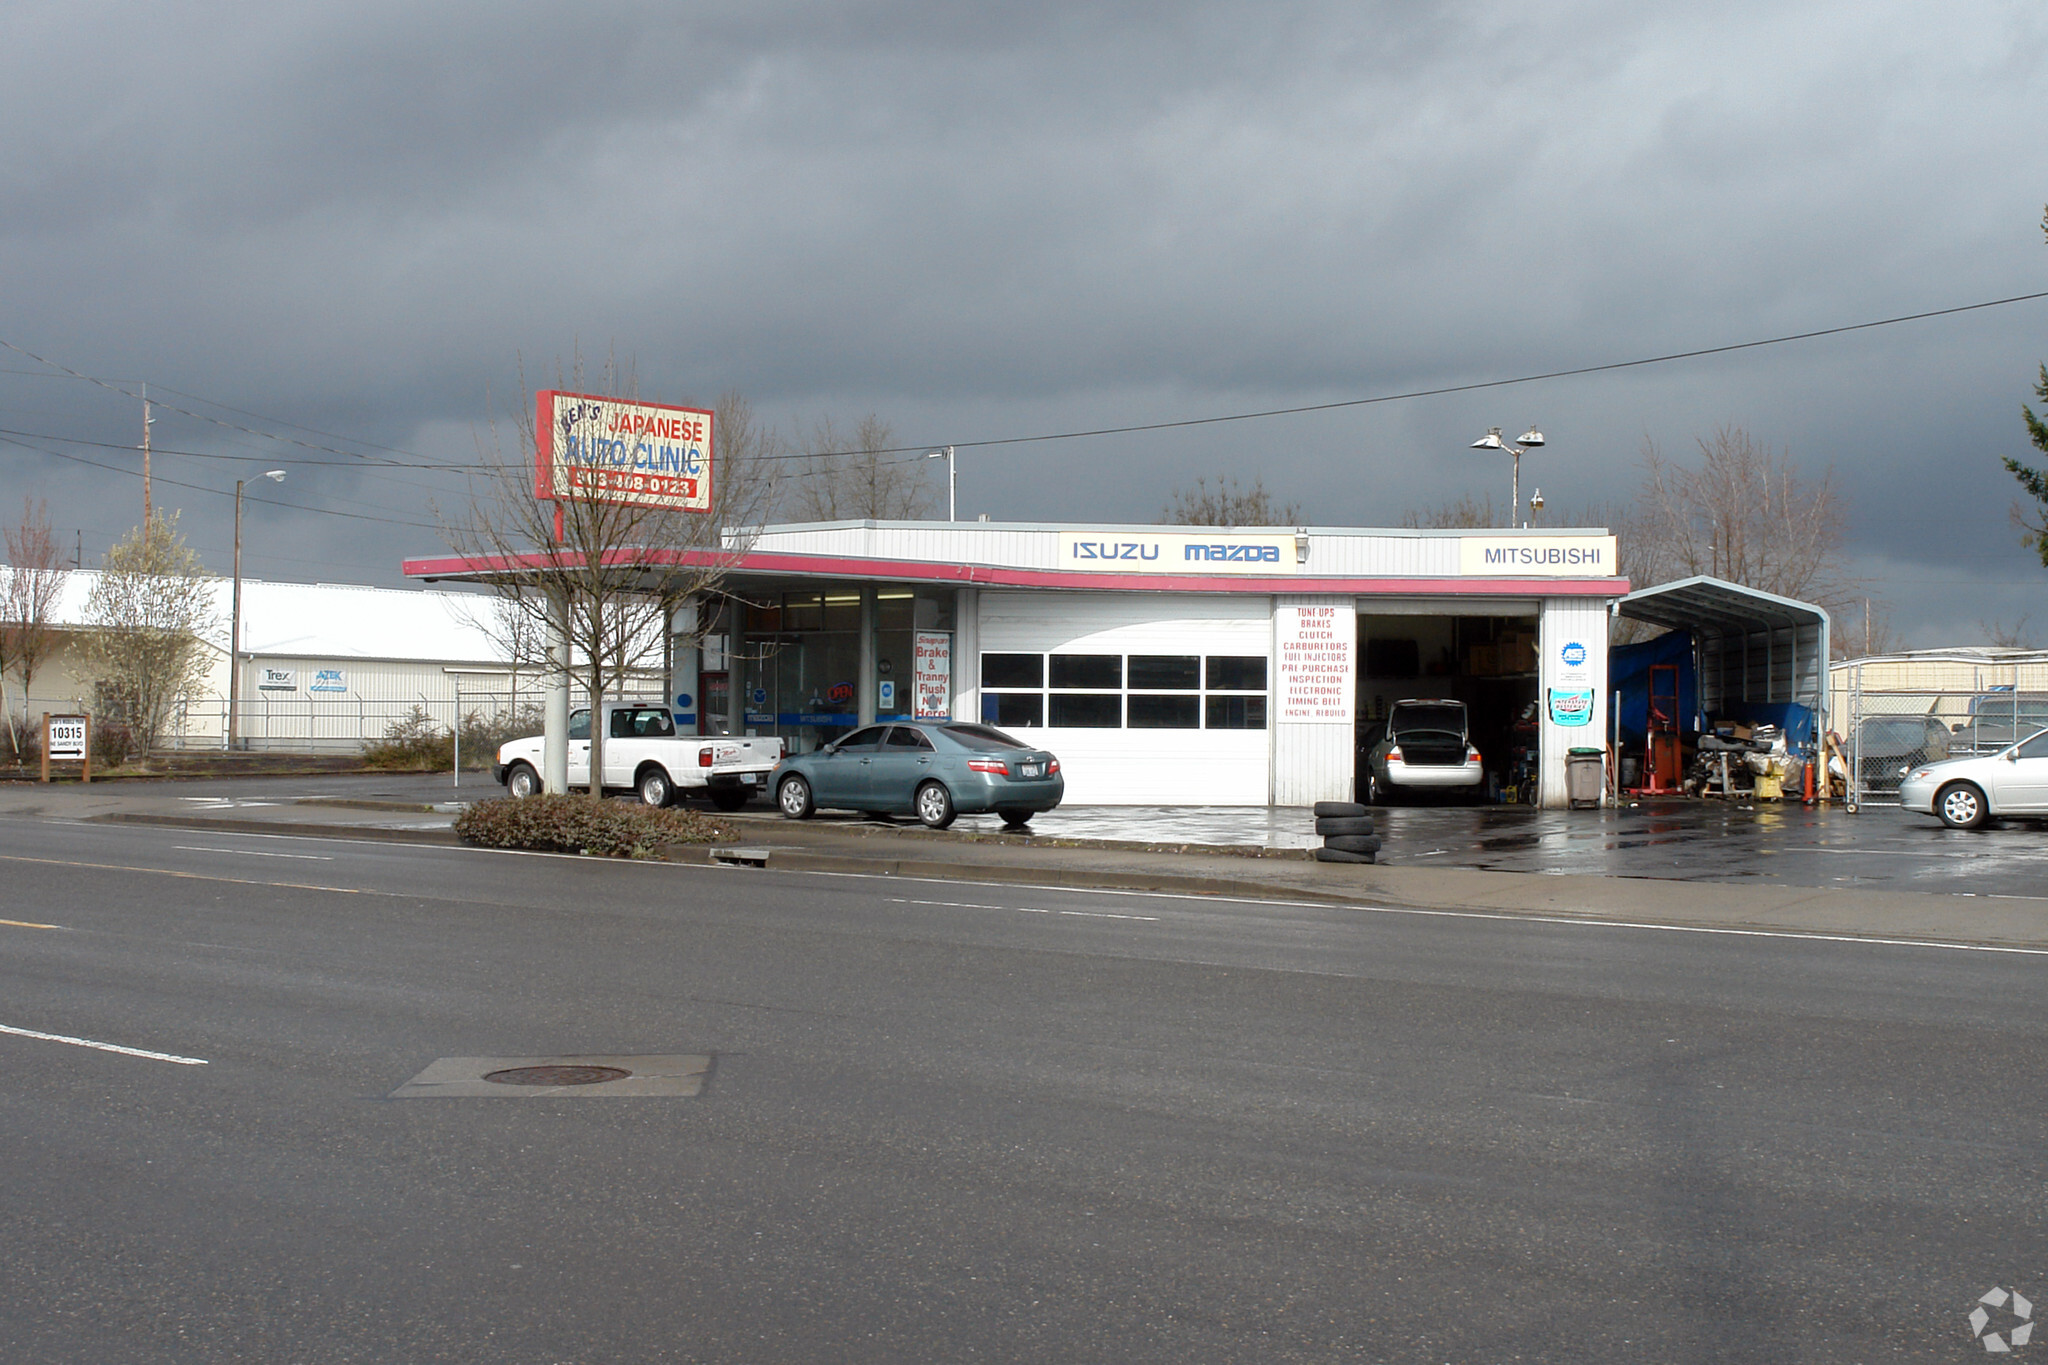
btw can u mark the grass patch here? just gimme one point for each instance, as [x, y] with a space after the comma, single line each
[577, 824]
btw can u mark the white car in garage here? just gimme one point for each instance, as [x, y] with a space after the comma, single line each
[1966, 792]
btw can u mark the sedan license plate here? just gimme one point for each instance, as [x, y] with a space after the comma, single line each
[1027, 770]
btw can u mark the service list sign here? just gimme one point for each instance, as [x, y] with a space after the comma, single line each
[1314, 665]
[595, 449]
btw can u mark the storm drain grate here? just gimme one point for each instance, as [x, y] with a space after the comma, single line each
[679, 1075]
[558, 1075]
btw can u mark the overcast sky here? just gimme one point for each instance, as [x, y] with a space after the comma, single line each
[1002, 220]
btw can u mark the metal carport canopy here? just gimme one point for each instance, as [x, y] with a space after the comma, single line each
[1719, 612]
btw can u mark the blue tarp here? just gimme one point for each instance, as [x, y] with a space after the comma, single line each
[1628, 678]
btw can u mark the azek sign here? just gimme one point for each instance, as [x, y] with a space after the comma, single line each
[1177, 552]
[1526, 556]
[611, 450]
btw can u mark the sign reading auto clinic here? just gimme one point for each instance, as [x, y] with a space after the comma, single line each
[613, 450]
[1527, 556]
[1177, 552]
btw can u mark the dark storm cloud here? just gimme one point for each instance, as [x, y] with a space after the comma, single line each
[991, 220]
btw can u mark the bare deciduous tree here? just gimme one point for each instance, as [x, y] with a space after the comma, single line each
[2003, 636]
[1463, 513]
[859, 476]
[596, 576]
[146, 621]
[1227, 503]
[31, 583]
[1744, 514]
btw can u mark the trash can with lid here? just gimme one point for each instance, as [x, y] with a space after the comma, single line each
[1583, 779]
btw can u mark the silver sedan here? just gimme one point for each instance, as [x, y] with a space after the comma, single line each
[1965, 792]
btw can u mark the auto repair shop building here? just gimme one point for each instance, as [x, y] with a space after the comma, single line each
[1178, 665]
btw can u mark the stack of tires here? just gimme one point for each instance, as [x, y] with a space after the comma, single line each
[1347, 832]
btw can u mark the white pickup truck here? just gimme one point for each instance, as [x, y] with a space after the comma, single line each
[644, 754]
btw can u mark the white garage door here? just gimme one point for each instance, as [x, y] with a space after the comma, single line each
[1146, 698]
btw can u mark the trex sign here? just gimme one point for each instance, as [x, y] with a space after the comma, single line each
[588, 448]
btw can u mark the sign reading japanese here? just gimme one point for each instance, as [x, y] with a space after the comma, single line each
[1314, 668]
[932, 675]
[1537, 556]
[1179, 552]
[595, 449]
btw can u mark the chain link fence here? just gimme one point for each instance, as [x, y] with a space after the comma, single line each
[1890, 722]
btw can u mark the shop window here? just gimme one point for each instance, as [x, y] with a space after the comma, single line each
[1088, 710]
[842, 611]
[1013, 670]
[895, 610]
[1096, 672]
[1236, 713]
[803, 611]
[1166, 672]
[1237, 673]
[1165, 712]
[1013, 710]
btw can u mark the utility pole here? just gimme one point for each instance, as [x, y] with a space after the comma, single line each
[147, 510]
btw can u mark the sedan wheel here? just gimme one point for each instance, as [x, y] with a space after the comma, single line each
[934, 806]
[1961, 806]
[793, 797]
[654, 788]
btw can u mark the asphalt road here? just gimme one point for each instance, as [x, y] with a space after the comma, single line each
[954, 1123]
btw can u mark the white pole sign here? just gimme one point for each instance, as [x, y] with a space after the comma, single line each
[595, 449]
[1314, 667]
[67, 737]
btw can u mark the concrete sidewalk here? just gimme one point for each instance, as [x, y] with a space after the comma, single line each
[1248, 871]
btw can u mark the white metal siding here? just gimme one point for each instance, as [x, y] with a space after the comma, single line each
[1565, 620]
[1139, 767]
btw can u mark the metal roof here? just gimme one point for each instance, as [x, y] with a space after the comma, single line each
[1718, 605]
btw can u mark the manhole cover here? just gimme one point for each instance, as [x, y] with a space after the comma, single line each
[558, 1075]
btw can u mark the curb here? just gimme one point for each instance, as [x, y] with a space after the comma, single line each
[445, 837]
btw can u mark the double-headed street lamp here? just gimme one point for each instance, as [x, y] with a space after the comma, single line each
[1525, 443]
[952, 486]
[235, 630]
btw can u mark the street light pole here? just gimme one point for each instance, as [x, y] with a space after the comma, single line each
[952, 484]
[1527, 441]
[235, 628]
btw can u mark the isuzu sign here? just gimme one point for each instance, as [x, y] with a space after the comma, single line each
[610, 450]
[1527, 556]
[1177, 552]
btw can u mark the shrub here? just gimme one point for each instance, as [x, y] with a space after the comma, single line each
[411, 741]
[578, 824]
[112, 742]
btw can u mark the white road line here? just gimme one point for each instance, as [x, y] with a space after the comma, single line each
[104, 1047]
[1020, 909]
[1501, 916]
[255, 853]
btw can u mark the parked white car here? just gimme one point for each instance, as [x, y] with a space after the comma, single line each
[644, 754]
[1965, 792]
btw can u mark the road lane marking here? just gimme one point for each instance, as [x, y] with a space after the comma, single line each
[204, 876]
[25, 924]
[256, 853]
[104, 1047]
[1019, 909]
[1501, 916]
